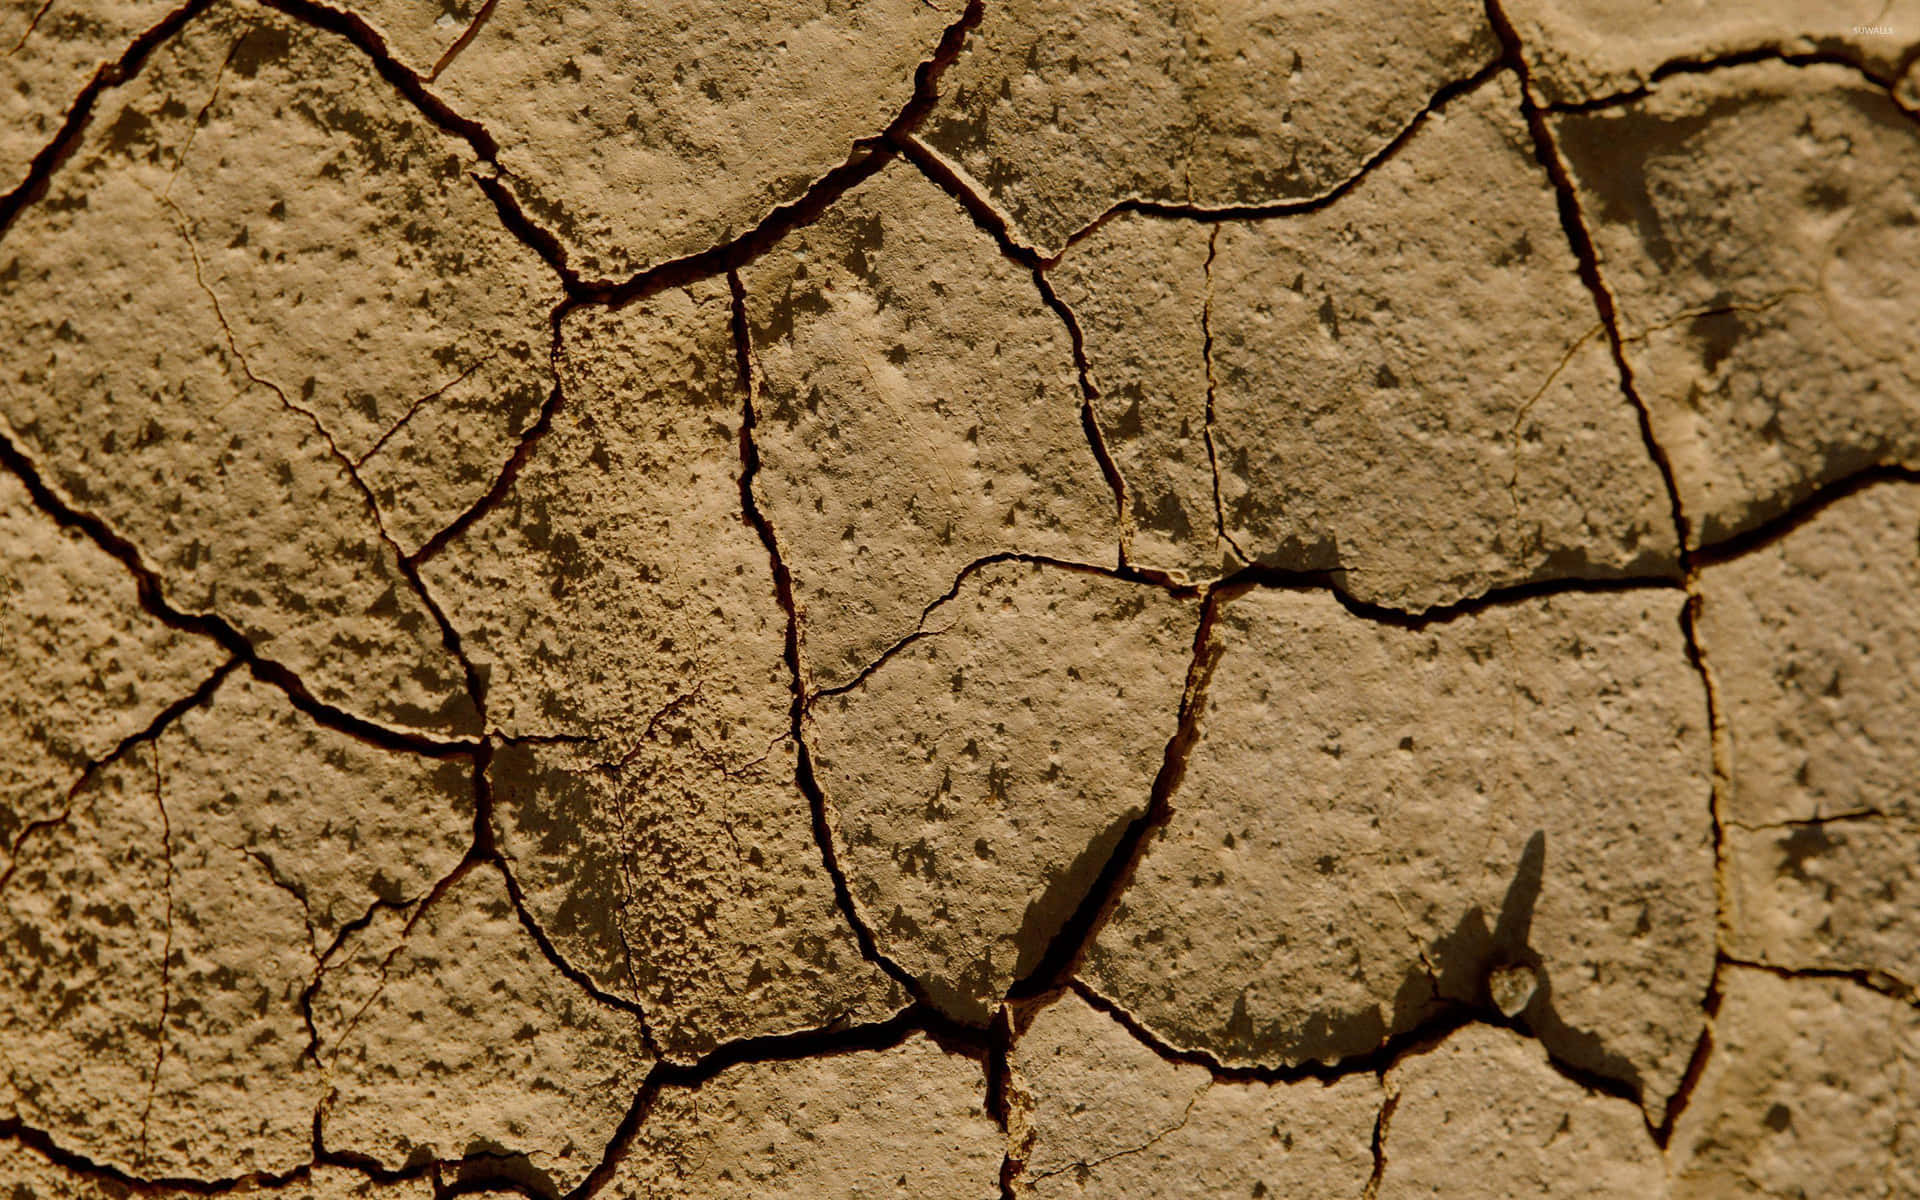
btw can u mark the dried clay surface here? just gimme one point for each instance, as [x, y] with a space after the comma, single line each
[1372, 818]
[1813, 637]
[1424, 436]
[1096, 1112]
[978, 599]
[1755, 227]
[1062, 111]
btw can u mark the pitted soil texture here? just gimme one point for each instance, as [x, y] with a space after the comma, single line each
[959, 599]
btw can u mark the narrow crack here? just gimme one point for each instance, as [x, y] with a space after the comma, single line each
[1801, 513]
[991, 222]
[80, 114]
[145, 735]
[1520, 420]
[1813, 822]
[152, 597]
[783, 592]
[200, 119]
[1273, 578]
[1573, 223]
[574, 975]
[628, 850]
[324, 958]
[886, 656]
[1871, 978]
[413, 89]
[1695, 65]
[409, 571]
[422, 402]
[1000, 1100]
[43, 1144]
[1696, 1064]
[184, 226]
[463, 41]
[486, 848]
[33, 23]
[1124, 574]
[865, 159]
[440, 888]
[1719, 784]
[1720, 763]
[475, 1171]
[1444, 96]
[1207, 425]
[1448, 1018]
[1090, 428]
[1186, 1115]
[820, 1042]
[953, 1036]
[503, 482]
[1089, 418]
[264, 861]
[1717, 310]
[1580, 239]
[1380, 1126]
[1063, 955]
[346, 932]
[38, 825]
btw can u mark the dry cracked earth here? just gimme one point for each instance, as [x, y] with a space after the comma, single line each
[898, 598]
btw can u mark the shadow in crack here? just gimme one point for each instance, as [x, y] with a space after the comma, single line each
[1049, 912]
[1475, 971]
[1473, 960]
[488, 1166]
[1459, 964]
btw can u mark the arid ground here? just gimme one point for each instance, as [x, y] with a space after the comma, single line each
[697, 599]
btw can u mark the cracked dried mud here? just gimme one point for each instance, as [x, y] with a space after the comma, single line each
[959, 598]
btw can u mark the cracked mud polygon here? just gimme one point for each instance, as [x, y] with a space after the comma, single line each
[959, 598]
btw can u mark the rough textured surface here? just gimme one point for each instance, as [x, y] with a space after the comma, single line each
[1809, 1092]
[424, 359]
[903, 1121]
[1808, 636]
[474, 1042]
[1427, 437]
[1097, 1113]
[640, 133]
[980, 777]
[1062, 110]
[592, 607]
[1588, 49]
[1760, 230]
[927, 598]
[30, 1175]
[687, 886]
[82, 1012]
[1484, 1114]
[85, 666]
[49, 51]
[1139, 290]
[165, 930]
[233, 469]
[1373, 817]
[1424, 437]
[918, 411]
[665, 842]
